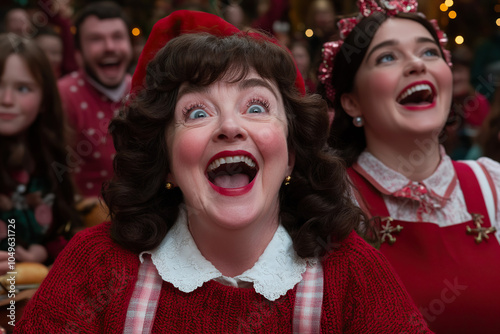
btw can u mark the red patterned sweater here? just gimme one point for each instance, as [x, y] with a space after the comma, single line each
[90, 285]
[90, 158]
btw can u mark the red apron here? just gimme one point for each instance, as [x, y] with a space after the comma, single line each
[454, 280]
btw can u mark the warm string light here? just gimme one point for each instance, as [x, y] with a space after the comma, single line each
[497, 10]
[444, 7]
[136, 31]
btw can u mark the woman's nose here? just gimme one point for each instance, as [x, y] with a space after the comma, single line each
[415, 66]
[230, 128]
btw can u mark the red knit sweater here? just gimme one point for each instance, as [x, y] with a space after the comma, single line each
[90, 158]
[90, 285]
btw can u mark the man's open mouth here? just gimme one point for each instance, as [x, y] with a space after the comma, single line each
[110, 63]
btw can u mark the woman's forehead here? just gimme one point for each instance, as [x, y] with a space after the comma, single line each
[400, 29]
[234, 76]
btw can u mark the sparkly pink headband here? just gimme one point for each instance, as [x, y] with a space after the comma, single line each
[346, 25]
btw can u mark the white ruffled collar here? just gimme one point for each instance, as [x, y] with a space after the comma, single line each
[179, 262]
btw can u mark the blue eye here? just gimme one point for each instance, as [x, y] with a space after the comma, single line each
[23, 89]
[198, 113]
[385, 59]
[431, 53]
[256, 109]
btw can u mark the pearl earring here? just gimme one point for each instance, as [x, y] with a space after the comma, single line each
[358, 121]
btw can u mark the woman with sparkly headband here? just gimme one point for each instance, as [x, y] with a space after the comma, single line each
[225, 213]
[390, 84]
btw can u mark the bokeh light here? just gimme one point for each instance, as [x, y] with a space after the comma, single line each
[452, 14]
[136, 31]
[309, 33]
[459, 40]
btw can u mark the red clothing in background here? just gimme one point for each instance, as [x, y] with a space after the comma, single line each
[50, 8]
[90, 157]
[475, 109]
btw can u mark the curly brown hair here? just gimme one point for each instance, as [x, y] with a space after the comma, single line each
[315, 208]
[46, 136]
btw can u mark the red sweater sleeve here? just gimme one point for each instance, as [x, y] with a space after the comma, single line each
[87, 290]
[374, 299]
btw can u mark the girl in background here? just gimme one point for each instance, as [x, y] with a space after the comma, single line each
[36, 191]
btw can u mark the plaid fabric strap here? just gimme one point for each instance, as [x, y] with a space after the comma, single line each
[142, 307]
[309, 301]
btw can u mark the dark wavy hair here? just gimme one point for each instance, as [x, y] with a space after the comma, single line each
[346, 139]
[315, 208]
[46, 136]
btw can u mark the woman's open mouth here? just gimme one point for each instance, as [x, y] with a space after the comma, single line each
[419, 95]
[230, 171]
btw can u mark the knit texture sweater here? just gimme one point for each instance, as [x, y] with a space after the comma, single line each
[90, 285]
[89, 111]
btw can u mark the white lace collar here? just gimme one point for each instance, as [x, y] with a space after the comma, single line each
[179, 262]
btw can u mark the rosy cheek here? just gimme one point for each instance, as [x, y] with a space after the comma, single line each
[446, 76]
[271, 140]
[381, 85]
[31, 108]
[188, 148]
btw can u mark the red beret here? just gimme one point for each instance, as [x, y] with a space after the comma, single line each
[186, 22]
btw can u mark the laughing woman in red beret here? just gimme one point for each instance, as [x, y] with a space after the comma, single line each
[227, 213]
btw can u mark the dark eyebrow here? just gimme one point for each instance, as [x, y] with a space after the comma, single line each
[26, 82]
[242, 85]
[390, 42]
[393, 42]
[255, 82]
[191, 89]
[426, 40]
